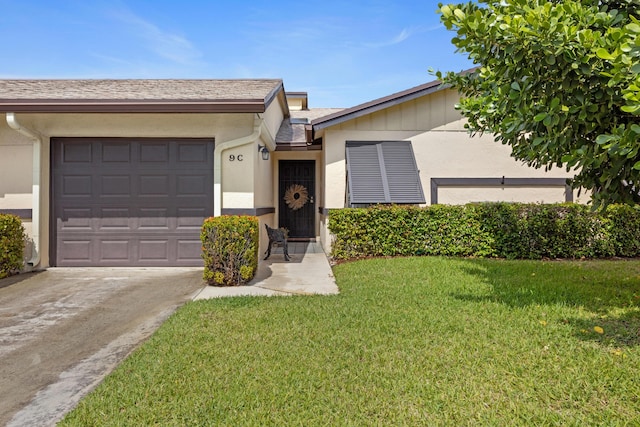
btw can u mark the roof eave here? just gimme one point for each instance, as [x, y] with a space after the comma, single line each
[278, 92]
[377, 105]
[97, 106]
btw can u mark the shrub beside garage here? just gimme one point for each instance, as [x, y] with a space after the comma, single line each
[230, 249]
[502, 230]
[12, 238]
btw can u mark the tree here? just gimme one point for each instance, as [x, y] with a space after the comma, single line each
[558, 81]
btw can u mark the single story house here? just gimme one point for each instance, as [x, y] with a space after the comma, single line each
[123, 172]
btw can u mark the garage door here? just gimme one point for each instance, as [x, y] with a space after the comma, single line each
[130, 202]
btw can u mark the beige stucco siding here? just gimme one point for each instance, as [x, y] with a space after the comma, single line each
[221, 126]
[442, 149]
[237, 177]
[16, 159]
[273, 118]
[15, 169]
[435, 111]
[454, 154]
[263, 169]
[440, 154]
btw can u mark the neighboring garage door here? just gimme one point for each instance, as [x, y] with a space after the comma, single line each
[130, 202]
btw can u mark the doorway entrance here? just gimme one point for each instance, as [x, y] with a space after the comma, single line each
[296, 196]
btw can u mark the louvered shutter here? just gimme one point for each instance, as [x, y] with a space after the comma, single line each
[366, 180]
[403, 177]
[382, 172]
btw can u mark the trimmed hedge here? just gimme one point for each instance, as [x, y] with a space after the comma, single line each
[504, 230]
[230, 249]
[12, 238]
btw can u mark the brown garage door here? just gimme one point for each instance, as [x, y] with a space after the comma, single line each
[130, 202]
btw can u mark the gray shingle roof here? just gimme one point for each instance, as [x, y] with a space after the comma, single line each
[35, 95]
[293, 134]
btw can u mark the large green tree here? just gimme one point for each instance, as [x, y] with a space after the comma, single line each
[558, 81]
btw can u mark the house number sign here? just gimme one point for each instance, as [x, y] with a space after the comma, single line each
[234, 157]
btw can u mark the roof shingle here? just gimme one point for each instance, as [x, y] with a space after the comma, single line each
[36, 95]
[292, 133]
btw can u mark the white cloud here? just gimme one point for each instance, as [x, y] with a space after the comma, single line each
[165, 44]
[402, 36]
[399, 38]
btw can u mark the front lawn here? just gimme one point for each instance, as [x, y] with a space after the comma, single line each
[409, 341]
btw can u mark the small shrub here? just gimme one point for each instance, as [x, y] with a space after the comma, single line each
[12, 238]
[230, 249]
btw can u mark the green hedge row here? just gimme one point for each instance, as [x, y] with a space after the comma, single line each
[12, 238]
[230, 249]
[504, 230]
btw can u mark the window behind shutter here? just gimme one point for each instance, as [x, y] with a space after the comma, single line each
[382, 172]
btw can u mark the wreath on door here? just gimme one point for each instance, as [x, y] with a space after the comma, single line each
[296, 196]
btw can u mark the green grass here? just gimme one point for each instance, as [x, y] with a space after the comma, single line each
[409, 341]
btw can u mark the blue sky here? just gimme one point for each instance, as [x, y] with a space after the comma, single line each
[342, 53]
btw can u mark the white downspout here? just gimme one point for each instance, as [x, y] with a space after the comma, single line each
[35, 189]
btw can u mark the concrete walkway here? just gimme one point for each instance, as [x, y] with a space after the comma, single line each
[308, 273]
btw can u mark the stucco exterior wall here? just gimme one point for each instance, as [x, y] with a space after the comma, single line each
[273, 118]
[263, 169]
[442, 148]
[15, 169]
[221, 126]
[16, 166]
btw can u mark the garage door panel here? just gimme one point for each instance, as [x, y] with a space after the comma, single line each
[189, 249]
[154, 185]
[75, 219]
[116, 152]
[154, 219]
[115, 249]
[192, 153]
[154, 250]
[192, 184]
[76, 153]
[154, 153]
[137, 202]
[190, 218]
[76, 250]
[114, 219]
[77, 185]
[115, 185]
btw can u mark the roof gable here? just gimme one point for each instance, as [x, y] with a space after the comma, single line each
[377, 105]
[380, 104]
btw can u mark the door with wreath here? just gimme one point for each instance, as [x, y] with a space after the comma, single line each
[297, 197]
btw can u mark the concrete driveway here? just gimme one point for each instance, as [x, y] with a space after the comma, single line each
[64, 329]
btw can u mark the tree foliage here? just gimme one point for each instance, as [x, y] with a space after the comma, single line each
[558, 81]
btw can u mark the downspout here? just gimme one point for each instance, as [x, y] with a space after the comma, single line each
[35, 186]
[258, 125]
